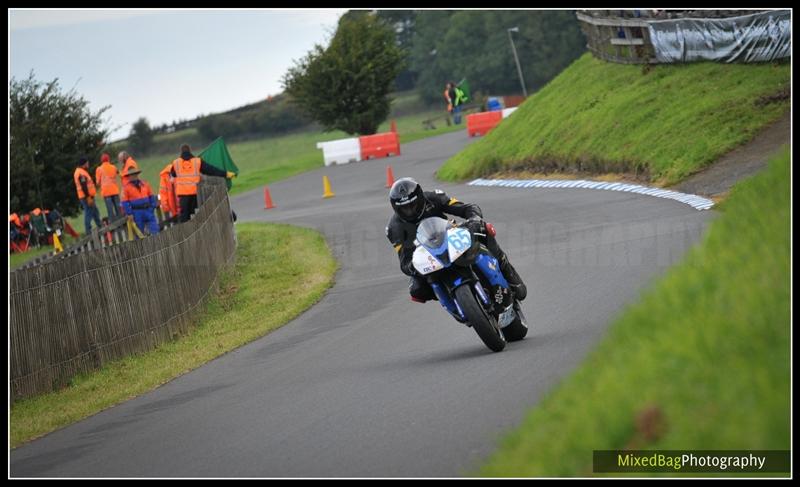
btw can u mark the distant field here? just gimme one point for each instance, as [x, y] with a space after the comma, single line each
[264, 161]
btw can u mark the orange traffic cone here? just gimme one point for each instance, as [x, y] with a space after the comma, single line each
[393, 127]
[267, 199]
[326, 188]
[389, 177]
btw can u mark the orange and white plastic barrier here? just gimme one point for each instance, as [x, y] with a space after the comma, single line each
[344, 151]
[379, 145]
[341, 151]
[483, 122]
[508, 111]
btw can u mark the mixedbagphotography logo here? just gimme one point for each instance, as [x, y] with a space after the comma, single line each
[713, 461]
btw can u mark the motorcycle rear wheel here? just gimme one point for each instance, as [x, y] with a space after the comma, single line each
[518, 328]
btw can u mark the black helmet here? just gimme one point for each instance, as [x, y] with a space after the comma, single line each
[407, 199]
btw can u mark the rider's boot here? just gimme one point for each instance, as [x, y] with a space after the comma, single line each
[520, 291]
[511, 275]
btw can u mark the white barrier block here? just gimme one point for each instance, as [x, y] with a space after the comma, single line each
[340, 151]
[508, 111]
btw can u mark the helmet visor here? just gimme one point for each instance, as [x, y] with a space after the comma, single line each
[410, 210]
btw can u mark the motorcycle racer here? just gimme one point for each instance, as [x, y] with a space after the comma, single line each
[411, 205]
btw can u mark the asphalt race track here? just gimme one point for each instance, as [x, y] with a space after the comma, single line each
[366, 382]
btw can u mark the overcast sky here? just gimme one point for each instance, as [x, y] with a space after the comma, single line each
[164, 65]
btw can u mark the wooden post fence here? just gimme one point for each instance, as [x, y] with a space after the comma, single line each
[101, 302]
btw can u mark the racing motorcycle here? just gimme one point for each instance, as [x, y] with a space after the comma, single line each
[467, 281]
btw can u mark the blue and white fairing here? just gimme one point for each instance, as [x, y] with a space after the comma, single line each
[440, 244]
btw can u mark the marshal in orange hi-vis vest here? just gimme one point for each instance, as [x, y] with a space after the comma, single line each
[166, 192]
[106, 176]
[187, 176]
[89, 183]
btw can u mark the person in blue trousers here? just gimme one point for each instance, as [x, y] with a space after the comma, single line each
[139, 202]
[86, 193]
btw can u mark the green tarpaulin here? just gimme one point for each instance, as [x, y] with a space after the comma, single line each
[218, 156]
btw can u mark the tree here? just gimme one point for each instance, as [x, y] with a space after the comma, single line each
[50, 130]
[430, 28]
[474, 45]
[402, 22]
[141, 137]
[346, 86]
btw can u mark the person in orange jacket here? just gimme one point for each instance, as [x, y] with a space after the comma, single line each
[106, 177]
[449, 95]
[86, 193]
[127, 162]
[15, 227]
[19, 231]
[139, 201]
[166, 193]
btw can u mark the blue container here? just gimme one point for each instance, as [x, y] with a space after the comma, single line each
[493, 105]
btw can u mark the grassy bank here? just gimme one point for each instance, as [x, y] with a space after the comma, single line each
[273, 261]
[666, 121]
[702, 361]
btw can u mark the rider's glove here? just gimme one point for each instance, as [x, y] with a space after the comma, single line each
[475, 225]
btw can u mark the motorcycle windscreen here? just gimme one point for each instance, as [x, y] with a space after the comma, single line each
[432, 234]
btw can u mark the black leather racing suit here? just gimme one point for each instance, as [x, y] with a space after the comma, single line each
[402, 234]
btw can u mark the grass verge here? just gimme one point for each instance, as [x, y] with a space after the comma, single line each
[702, 361]
[273, 261]
[664, 122]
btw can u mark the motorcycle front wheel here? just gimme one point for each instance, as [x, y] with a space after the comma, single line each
[484, 325]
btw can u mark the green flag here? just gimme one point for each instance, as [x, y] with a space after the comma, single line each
[218, 156]
[463, 85]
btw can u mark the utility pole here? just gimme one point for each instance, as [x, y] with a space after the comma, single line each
[516, 59]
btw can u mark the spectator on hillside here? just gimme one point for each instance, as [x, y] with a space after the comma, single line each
[455, 97]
